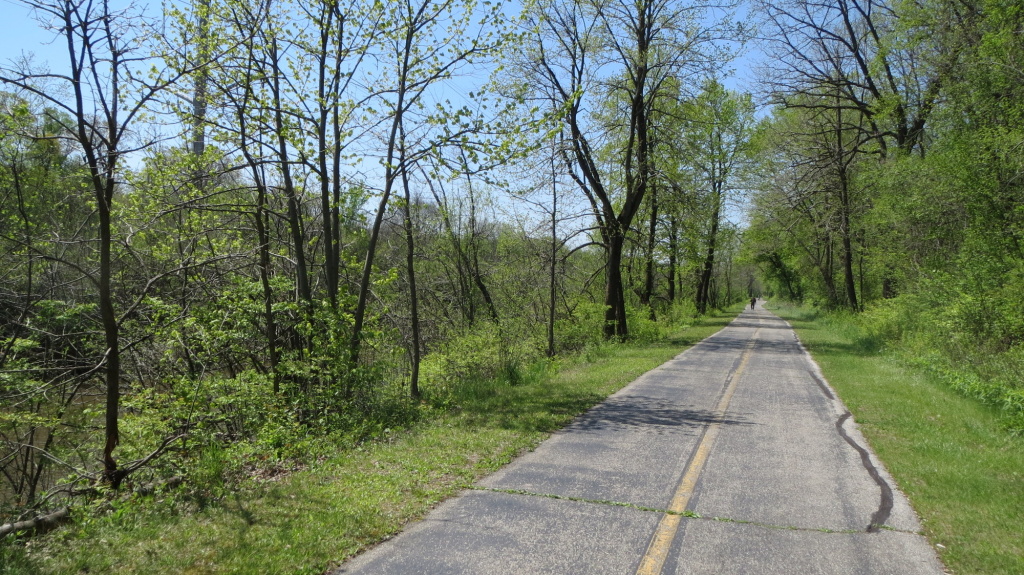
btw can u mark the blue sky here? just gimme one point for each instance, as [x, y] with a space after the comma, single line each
[21, 34]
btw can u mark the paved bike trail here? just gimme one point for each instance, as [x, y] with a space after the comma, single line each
[735, 457]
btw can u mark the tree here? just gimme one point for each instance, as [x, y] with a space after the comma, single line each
[849, 54]
[44, 342]
[717, 144]
[623, 51]
[109, 91]
[811, 192]
[426, 44]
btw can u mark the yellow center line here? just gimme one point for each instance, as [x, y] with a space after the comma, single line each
[657, 550]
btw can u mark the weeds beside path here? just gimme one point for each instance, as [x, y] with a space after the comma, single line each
[961, 469]
[308, 521]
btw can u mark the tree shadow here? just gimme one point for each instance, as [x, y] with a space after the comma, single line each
[658, 416]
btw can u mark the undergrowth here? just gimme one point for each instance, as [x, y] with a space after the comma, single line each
[937, 339]
[259, 506]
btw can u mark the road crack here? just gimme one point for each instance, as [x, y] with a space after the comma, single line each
[687, 514]
[881, 515]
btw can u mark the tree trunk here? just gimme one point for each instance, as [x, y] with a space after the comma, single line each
[328, 209]
[268, 293]
[704, 287]
[294, 214]
[673, 247]
[728, 279]
[844, 208]
[850, 278]
[202, 79]
[827, 268]
[554, 257]
[390, 173]
[410, 259]
[36, 524]
[262, 234]
[614, 299]
[474, 263]
[111, 336]
[652, 229]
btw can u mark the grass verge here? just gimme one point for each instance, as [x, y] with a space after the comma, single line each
[309, 521]
[963, 473]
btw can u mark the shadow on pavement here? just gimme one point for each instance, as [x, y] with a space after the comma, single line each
[659, 416]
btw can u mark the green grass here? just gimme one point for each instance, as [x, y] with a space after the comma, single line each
[310, 520]
[963, 473]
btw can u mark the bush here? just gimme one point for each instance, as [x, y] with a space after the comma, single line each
[971, 341]
[642, 329]
[583, 330]
[481, 354]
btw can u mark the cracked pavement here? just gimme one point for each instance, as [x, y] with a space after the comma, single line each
[734, 457]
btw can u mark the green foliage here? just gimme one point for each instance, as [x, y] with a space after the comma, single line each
[485, 353]
[16, 559]
[938, 226]
[954, 337]
[231, 269]
[642, 329]
[583, 329]
[681, 313]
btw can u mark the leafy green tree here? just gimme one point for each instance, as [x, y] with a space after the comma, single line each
[719, 125]
[109, 93]
[425, 44]
[851, 54]
[810, 192]
[623, 53]
[44, 336]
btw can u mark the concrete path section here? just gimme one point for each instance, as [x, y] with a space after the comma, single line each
[734, 457]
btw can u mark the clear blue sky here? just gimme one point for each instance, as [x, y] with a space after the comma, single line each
[21, 34]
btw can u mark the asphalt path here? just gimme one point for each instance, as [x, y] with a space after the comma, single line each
[735, 457]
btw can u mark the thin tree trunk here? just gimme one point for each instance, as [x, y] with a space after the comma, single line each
[827, 272]
[331, 248]
[111, 337]
[554, 257]
[474, 267]
[651, 243]
[262, 234]
[294, 214]
[410, 259]
[848, 275]
[102, 180]
[268, 293]
[728, 279]
[673, 246]
[359, 314]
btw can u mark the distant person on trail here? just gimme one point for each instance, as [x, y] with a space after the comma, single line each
[753, 300]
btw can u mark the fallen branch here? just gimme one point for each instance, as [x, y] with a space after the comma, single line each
[37, 524]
